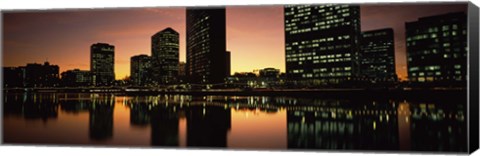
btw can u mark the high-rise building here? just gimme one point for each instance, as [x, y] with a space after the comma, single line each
[322, 43]
[41, 75]
[76, 78]
[206, 45]
[437, 48]
[378, 55]
[165, 56]
[102, 64]
[140, 73]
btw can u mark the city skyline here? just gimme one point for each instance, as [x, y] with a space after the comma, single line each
[258, 27]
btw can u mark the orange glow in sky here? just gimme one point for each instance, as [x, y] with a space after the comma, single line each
[255, 34]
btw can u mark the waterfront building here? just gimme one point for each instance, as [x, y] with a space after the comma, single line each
[206, 45]
[165, 56]
[76, 78]
[13, 77]
[378, 55]
[322, 43]
[102, 64]
[140, 73]
[41, 75]
[437, 48]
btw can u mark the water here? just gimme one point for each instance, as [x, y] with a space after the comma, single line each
[239, 122]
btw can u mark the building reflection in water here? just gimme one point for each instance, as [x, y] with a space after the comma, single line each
[340, 125]
[101, 117]
[208, 126]
[417, 124]
[164, 122]
[31, 106]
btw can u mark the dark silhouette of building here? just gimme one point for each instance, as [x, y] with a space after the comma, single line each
[102, 57]
[165, 56]
[378, 55]
[13, 77]
[76, 78]
[38, 75]
[436, 48]
[206, 45]
[140, 70]
[322, 43]
[181, 72]
[228, 63]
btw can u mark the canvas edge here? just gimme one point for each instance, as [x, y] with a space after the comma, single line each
[473, 83]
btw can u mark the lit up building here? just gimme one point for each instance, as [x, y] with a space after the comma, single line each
[140, 70]
[437, 48]
[76, 78]
[206, 45]
[322, 43]
[102, 64]
[378, 55]
[165, 56]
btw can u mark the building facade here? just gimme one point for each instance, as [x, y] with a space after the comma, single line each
[322, 43]
[165, 56]
[13, 77]
[206, 45]
[76, 78]
[102, 64]
[437, 48]
[140, 66]
[378, 55]
[41, 75]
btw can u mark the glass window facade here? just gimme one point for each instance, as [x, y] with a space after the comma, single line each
[322, 43]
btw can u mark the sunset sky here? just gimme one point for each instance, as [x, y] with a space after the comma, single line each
[255, 34]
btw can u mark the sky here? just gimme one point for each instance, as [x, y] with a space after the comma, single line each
[255, 34]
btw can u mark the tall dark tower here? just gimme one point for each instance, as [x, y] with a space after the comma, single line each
[378, 55]
[102, 64]
[322, 43]
[165, 56]
[206, 45]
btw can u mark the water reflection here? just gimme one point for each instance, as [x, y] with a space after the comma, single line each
[220, 121]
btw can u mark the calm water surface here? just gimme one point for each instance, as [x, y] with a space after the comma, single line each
[240, 122]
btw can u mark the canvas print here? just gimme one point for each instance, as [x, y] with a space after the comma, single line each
[316, 77]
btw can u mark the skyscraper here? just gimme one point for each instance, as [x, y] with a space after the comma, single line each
[378, 55]
[165, 56]
[322, 43]
[140, 73]
[437, 48]
[102, 64]
[206, 45]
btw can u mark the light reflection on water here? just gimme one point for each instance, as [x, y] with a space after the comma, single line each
[250, 122]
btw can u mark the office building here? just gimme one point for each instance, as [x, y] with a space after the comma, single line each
[322, 43]
[76, 78]
[165, 56]
[102, 64]
[378, 55]
[437, 48]
[206, 45]
[41, 75]
[140, 74]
